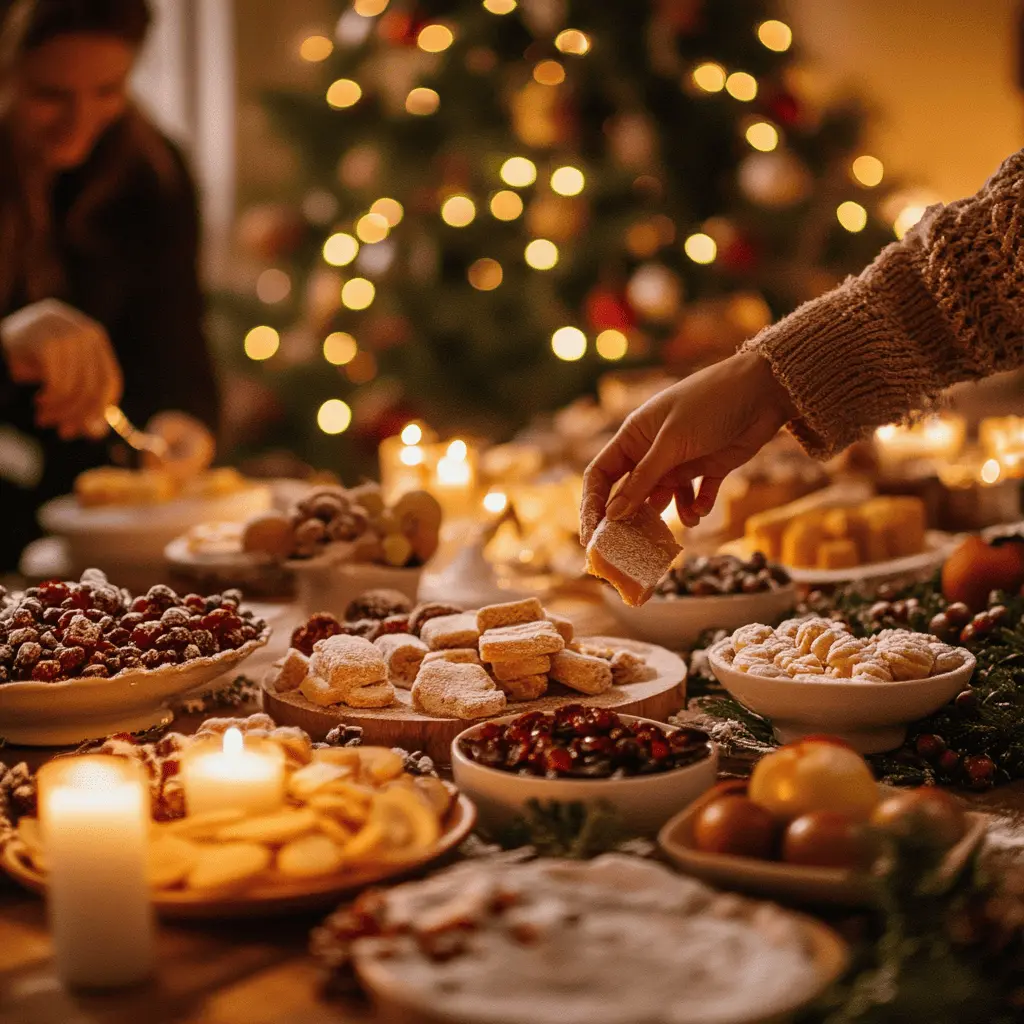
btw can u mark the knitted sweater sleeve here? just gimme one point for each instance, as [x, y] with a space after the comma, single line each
[945, 304]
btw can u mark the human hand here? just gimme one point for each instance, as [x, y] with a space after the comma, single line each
[69, 354]
[190, 446]
[705, 426]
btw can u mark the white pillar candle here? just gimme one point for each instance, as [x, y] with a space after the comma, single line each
[233, 777]
[94, 813]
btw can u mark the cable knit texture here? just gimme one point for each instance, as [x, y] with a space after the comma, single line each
[945, 304]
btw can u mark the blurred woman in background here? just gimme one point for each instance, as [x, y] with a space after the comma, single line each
[100, 302]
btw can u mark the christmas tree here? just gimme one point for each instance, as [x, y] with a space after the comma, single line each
[497, 202]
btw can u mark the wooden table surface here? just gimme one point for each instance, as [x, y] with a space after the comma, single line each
[254, 972]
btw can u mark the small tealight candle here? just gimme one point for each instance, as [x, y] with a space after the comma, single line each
[94, 813]
[231, 777]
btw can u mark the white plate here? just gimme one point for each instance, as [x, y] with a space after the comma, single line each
[36, 714]
[937, 546]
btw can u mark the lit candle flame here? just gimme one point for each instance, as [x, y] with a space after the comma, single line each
[412, 455]
[412, 433]
[457, 451]
[496, 502]
[990, 471]
[234, 742]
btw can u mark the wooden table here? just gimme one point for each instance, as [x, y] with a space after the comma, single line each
[256, 972]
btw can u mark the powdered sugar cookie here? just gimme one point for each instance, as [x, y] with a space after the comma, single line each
[907, 661]
[448, 631]
[871, 670]
[524, 687]
[526, 640]
[403, 655]
[517, 668]
[629, 667]
[448, 689]
[509, 613]
[347, 661]
[822, 643]
[581, 672]
[293, 669]
[458, 655]
[808, 631]
[845, 652]
[751, 655]
[795, 663]
[755, 633]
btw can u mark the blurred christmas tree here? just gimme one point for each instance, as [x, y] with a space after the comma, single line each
[496, 202]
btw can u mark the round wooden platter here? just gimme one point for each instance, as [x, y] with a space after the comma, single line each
[401, 726]
[273, 897]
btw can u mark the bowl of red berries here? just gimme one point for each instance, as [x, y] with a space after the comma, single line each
[85, 659]
[645, 771]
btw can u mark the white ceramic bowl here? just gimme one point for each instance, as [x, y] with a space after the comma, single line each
[871, 717]
[325, 585]
[677, 622]
[644, 802]
[39, 714]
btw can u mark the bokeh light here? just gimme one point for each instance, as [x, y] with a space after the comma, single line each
[700, 248]
[422, 101]
[357, 293]
[506, 205]
[500, 6]
[776, 35]
[567, 181]
[852, 216]
[541, 254]
[458, 211]
[390, 209]
[485, 274]
[273, 285]
[518, 172]
[370, 8]
[412, 433]
[741, 86]
[340, 348]
[867, 170]
[262, 342]
[549, 72]
[316, 48]
[572, 40]
[334, 416]
[569, 344]
[709, 76]
[435, 38]
[343, 93]
[611, 344]
[340, 249]
[762, 136]
[372, 227]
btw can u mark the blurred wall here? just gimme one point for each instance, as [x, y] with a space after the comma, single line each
[940, 73]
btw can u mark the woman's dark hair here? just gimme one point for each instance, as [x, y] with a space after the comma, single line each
[28, 24]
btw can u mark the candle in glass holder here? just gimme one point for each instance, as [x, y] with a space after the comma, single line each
[938, 438]
[405, 461]
[455, 480]
[94, 813]
[230, 776]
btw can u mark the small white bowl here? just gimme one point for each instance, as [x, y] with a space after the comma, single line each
[871, 717]
[677, 622]
[324, 585]
[643, 802]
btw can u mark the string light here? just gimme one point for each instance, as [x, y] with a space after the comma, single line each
[776, 35]
[907, 218]
[273, 286]
[390, 209]
[340, 348]
[569, 344]
[867, 170]
[741, 86]
[567, 181]
[572, 40]
[485, 274]
[541, 254]
[315, 49]
[709, 76]
[422, 101]
[412, 433]
[261, 343]
[852, 216]
[762, 136]
[458, 211]
[334, 416]
[372, 227]
[370, 8]
[506, 205]
[340, 249]
[357, 293]
[362, 369]
[611, 345]
[700, 248]
[500, 6]
[518, 172]
[343, 93]
[549, 72]
[435, 38]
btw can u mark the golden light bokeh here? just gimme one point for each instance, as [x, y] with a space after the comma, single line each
[435, 38]
[867, 170]
[390, 209]
[907, 218]
[370, 8]
[506, 205]
[422, 101]
[990, 471]
[567, 181]
[458, 211]
[262, 342]
[541, 254]
[334, 416]
[412, 433]
[340, 348]
[763, 136]
[572, 40]
[500, 6]
[776, 35]
[315, 49]
[741, 86]
[518, 172]
[357, 293]
[852, 216]
[340, 249]
[569, 344]
[700, 248]
[611, 344]
[273, 285]
[485, 274]
[549, 72]
[495, 502]
[343, 93]
[372, 227]
[709, 76]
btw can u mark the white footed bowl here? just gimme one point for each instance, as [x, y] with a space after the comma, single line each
[677, 622]
[324, 585]
[871, 717]
[643, 802]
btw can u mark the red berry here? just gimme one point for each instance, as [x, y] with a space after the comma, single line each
[140, 605]
[46, 671]
[967, 634]
[980, 770]
[949, 762]
[53, 592]
[660, 750]
[559, 760]
[145, 635]
[195, 603]
[929, 745]
[966, 701]
[958, 614]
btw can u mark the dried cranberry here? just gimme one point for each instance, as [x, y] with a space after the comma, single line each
[6, 654]
[150, 658]
[22, 636]
[175, 617]
[234, 595]
[191, 652]
[53, 592]
[130, 659]
[162, 596]
[145, 635]
[248, 632]
[95, 672]
[170, 657]
[221, 620]
[660, 750]
[119, 636]
[130, 620]
[67, 618]
[93, 614]
[180, 637]
[28, 654]
[140, 606]
[70, 658]
[80, 598]
[164, 642]
[558, 760]
[107, 600]
[213, 601]
[97, 658]
[48, 641]
[82, 633]
[204, 640]
[231, 640]
[51, 616]
[46, 671]
[194, 603]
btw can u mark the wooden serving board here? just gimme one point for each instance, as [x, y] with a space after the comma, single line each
[401, 726]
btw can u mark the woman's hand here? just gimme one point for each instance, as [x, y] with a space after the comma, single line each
[52, 344]
[705, 426]
[190, 446]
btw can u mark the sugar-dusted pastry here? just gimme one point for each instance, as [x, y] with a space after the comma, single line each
[563, 625]
[445, 631]
[423, 613]
[509, 613]
[525, 640]
[632, 554]
[629, 667]
[294, 668]
[755, 633]
[319, 691]
[822, 643]
[594, 650]
[459, 655]
[845, 653]
[796, 663]
[581, 672]
[947, 659]
[403, 655]
[371, 695]
[907, 660]
[516, 668]
[789, 628]
[347, 661]
[871, 670]
[808, 631]
[751, 655]
[768, 671]
[447, 689]
[524, 687]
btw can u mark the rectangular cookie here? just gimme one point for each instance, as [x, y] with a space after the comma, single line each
[447, 631]
[516, 668]
[524, 640]
[291, 670]
[509, 614]
[460, 655]
[563, 625]
[448, 689]
[347, 661]
[581, 672]
[525, 687]
[628, 667]
[403, 655]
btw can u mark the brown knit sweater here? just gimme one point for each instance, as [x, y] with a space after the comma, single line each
[945, 304]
